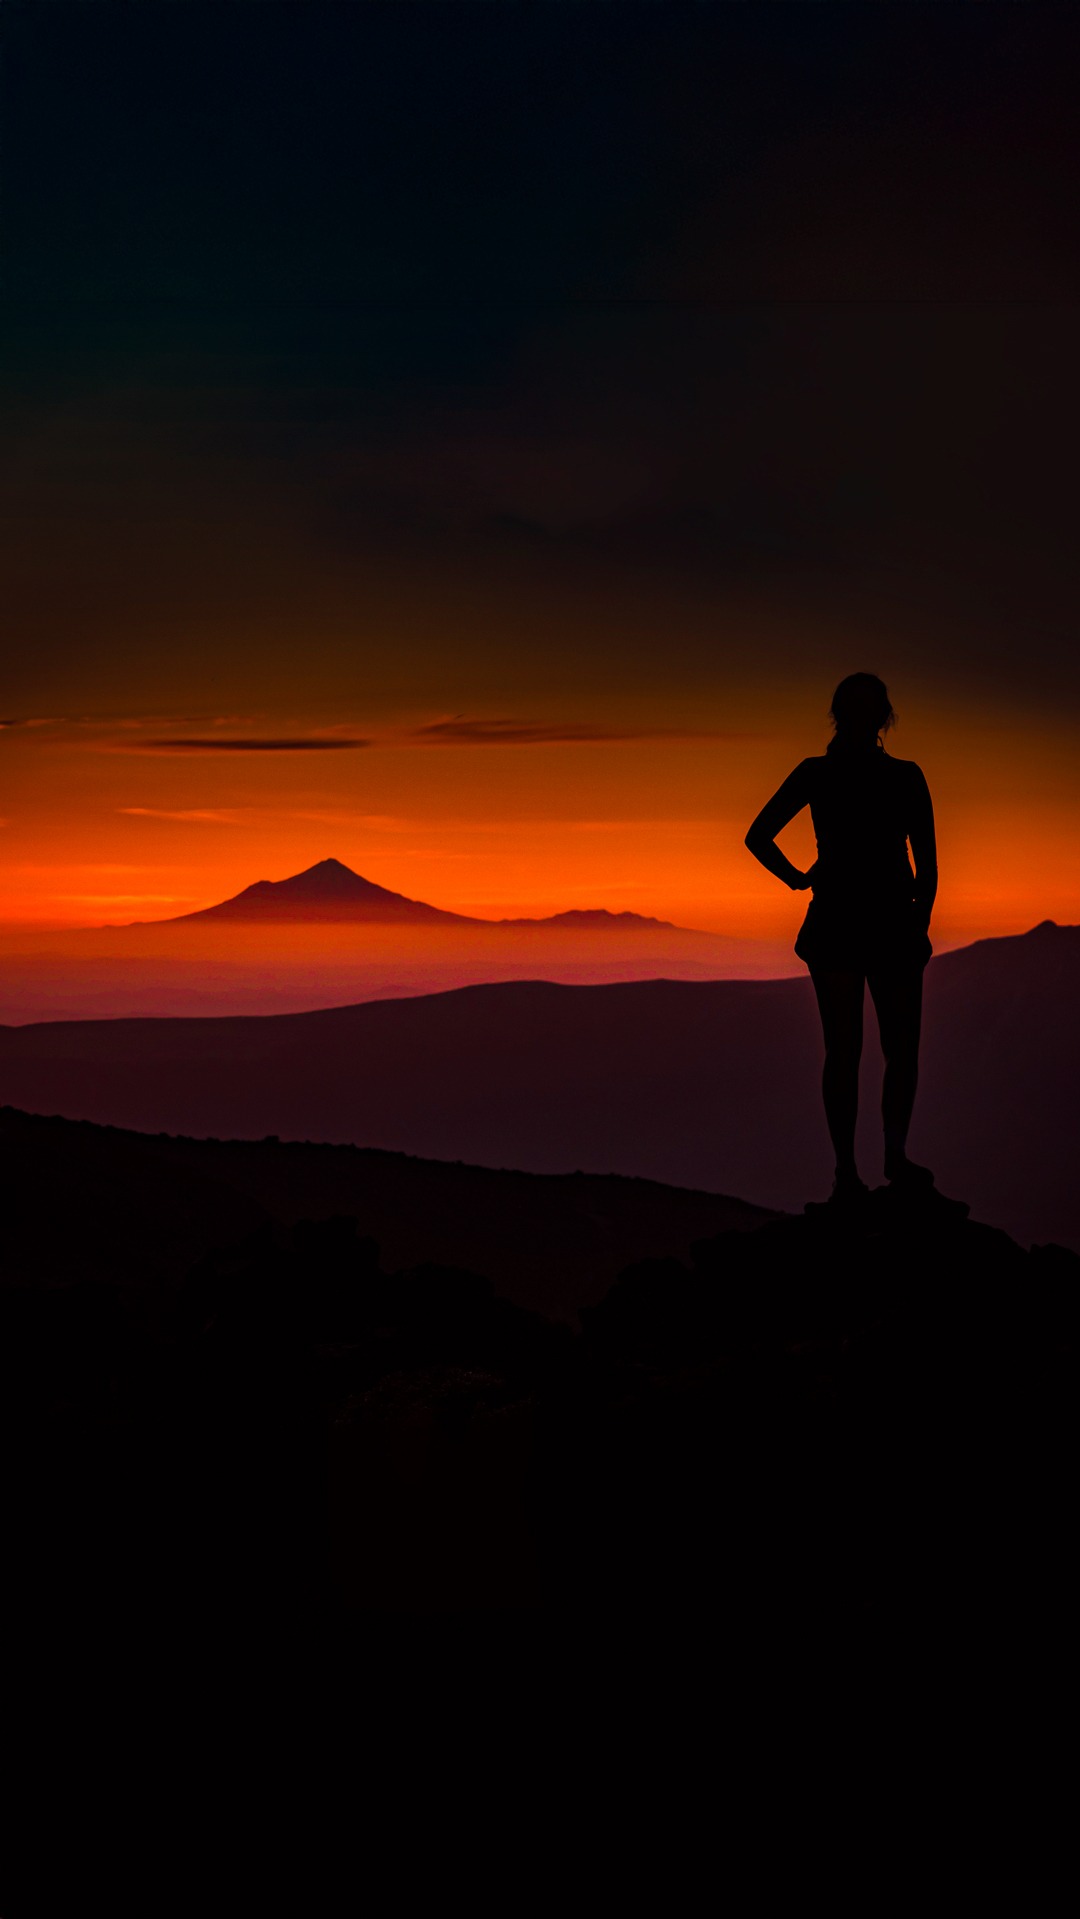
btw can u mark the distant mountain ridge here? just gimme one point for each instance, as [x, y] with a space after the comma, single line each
[583, 919]
[707, 1084]
[331, 891]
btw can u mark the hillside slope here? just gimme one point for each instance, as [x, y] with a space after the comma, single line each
[846, 1411]
[710, 1085]
[91, 1202]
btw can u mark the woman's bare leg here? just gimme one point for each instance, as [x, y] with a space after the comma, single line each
[840, 1003]
[897, 998]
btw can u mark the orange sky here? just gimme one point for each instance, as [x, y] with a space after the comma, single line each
[560, 374]
[99, 829]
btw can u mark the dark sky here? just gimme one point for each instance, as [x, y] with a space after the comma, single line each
[372, 364]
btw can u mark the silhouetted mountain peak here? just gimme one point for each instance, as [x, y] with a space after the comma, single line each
[325, 878]
[327, 890]
[330, 890]
[329, 879]
[329, 870]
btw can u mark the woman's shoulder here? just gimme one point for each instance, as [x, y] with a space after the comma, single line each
[800, 778]
[908, 770]
[910, 781]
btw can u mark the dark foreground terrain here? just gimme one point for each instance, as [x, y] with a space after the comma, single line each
[85, 1202]
[821, 1409]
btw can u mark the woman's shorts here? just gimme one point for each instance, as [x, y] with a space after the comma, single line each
[832, 939]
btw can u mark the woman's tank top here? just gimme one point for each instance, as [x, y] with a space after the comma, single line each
[862, 804]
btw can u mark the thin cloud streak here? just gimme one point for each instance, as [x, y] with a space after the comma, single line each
[236, 746]
[463, 732]
[126, 722]
[129, 899]
[256, 815]
[201, 816]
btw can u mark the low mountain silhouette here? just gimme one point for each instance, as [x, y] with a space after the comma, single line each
[205, 1400]
[329, 937]
[712, 1085]
[330, 891]
[597, 918]
[326, 891]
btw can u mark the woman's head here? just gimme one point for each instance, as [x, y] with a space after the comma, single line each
[861, 707]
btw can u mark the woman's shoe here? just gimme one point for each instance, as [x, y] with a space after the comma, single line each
[902, 1171]
[848, 1192]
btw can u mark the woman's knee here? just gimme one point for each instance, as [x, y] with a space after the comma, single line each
[898, 1027]
[840, 1004]
[843, 1051]
[898, 1005]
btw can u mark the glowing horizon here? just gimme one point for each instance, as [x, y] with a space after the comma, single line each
[99, 831]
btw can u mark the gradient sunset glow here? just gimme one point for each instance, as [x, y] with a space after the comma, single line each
[104, 827]
[493, 502]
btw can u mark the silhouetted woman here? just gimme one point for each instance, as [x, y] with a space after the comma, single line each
[869, 916]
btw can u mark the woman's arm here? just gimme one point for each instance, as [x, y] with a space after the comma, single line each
[923, 845]
[788, 800]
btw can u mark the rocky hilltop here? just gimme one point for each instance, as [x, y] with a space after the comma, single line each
[823, 1407]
